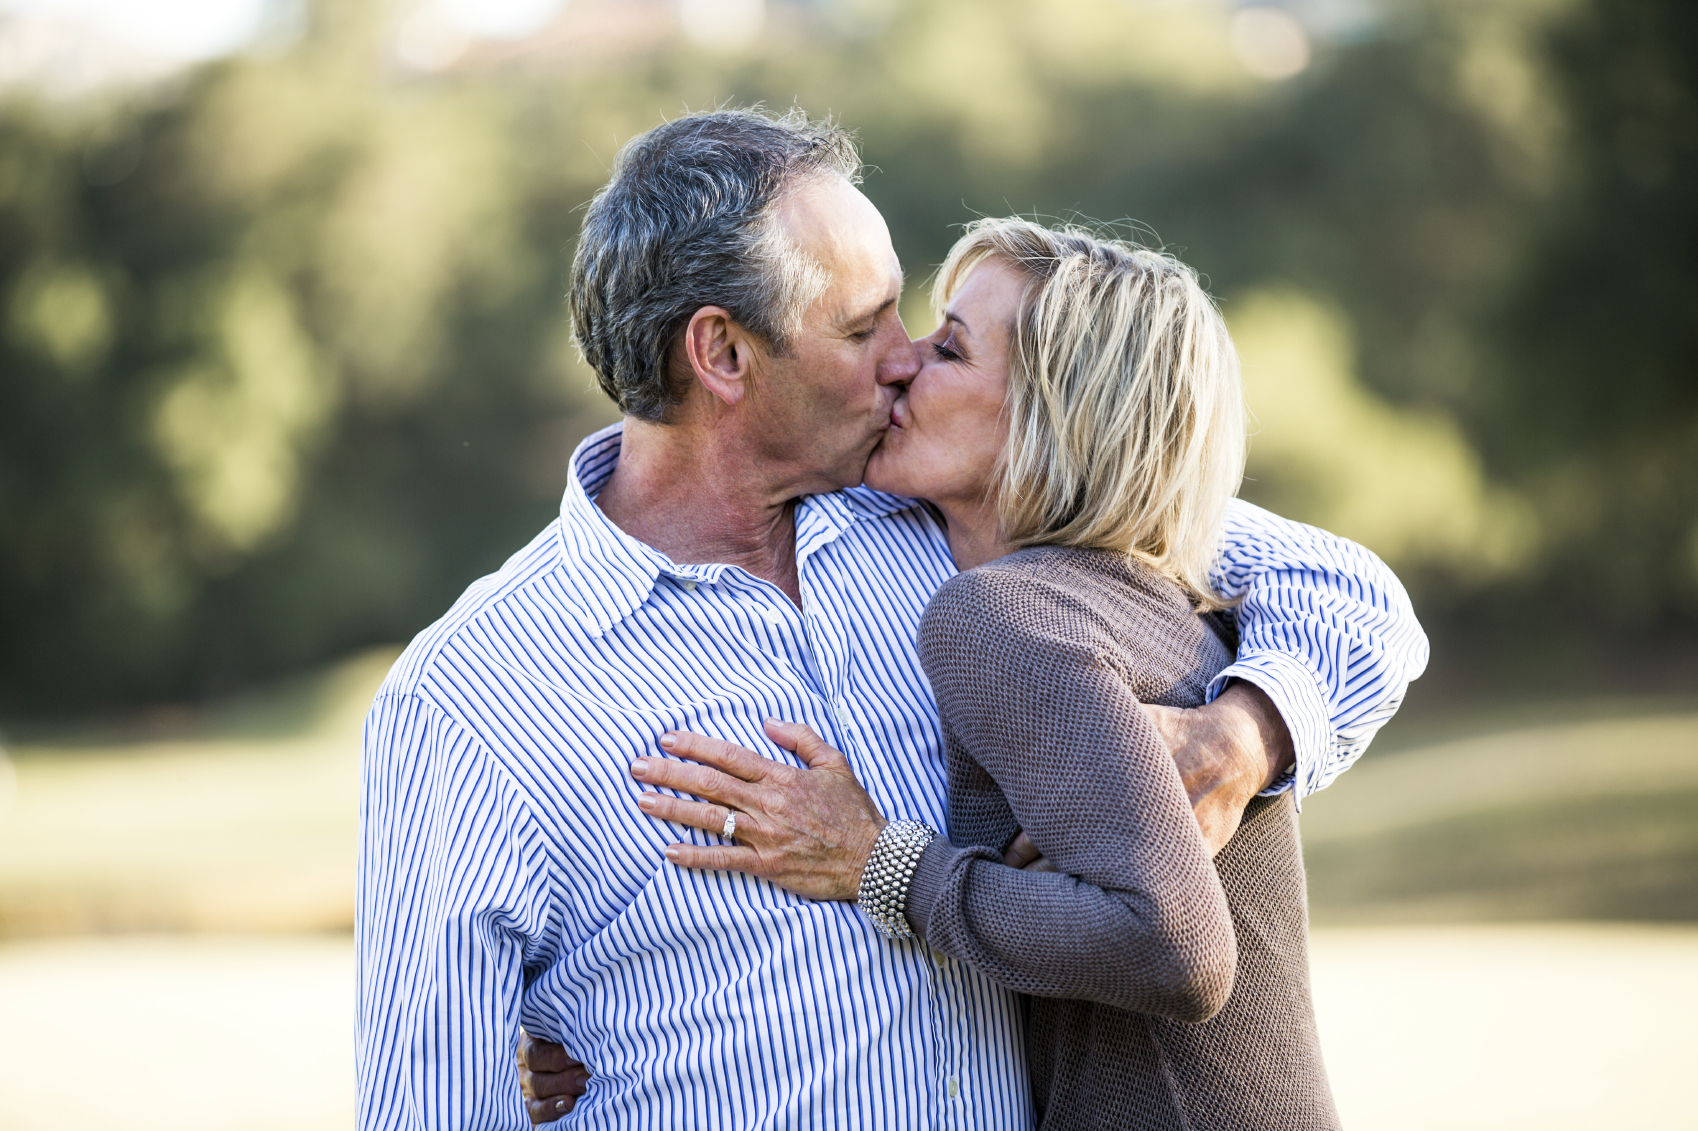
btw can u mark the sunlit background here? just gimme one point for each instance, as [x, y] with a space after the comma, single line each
[284, 366]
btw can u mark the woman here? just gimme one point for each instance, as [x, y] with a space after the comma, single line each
[1080, 427]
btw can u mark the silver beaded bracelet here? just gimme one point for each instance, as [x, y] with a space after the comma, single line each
[889, 871]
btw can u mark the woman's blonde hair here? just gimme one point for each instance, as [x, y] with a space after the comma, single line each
[1126, 416]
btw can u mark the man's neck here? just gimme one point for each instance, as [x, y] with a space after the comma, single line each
[678, 489]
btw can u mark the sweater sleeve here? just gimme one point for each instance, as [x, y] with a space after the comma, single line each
[1135, 917]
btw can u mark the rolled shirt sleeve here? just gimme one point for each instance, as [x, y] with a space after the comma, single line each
[1325, 629]
[452, 905]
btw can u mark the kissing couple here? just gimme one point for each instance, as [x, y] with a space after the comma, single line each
[887, 733]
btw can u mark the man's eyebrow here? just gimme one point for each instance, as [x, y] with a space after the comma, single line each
[868, 316]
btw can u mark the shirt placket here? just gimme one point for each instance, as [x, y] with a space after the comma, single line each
[941, 976]
[954, 1084]
[826, 647]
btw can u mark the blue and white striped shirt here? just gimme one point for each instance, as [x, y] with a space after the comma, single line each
[507, 876]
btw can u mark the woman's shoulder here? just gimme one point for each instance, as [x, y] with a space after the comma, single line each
[1053, 588]
[1060, 598]
[998, 591]
[1046, 575]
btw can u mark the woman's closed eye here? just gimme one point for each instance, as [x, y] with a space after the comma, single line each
[946, 350]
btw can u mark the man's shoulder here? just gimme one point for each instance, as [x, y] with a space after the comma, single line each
[479, 608]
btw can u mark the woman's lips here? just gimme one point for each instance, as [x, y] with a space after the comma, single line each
[899, 412]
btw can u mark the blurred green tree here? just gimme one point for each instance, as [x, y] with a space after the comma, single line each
[284, 365]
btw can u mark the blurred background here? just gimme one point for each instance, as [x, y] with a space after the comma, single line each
[284, 366]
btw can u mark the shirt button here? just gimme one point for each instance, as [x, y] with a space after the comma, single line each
[689, 584]
[843, 715]
[954, 1088]
[774, 617]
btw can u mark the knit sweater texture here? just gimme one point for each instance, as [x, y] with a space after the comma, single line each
[1169, 990]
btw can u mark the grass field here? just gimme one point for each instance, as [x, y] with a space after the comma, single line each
[1576, 820]
[243, 819]
[1506, 919]
[239, 819]
[1470, 1028]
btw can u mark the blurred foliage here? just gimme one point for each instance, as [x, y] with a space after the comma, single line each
[1592, 816]
[283, 361]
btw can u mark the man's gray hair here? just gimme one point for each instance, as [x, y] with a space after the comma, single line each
[688, 221]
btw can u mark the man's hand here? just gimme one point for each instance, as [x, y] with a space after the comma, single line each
[551, 1080]
[1227, 752]
[810, 830]
[1023, 854]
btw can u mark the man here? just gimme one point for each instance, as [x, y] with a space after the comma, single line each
[714, 565]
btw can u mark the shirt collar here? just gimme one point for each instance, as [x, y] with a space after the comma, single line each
[822, 518]
[617, 572]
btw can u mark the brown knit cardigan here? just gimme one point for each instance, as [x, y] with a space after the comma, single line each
[1170, 991]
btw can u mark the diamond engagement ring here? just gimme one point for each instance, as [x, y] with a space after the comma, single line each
[730, 829]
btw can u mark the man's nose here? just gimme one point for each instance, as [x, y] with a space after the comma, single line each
[900, 364]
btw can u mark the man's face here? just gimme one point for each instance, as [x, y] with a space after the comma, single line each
[823, 408]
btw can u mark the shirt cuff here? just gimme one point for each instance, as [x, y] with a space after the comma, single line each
[1301, 701]
[926, 885]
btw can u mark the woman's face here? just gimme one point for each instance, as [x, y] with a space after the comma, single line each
[947, 428]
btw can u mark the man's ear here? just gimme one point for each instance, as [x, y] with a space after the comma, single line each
[722, 356]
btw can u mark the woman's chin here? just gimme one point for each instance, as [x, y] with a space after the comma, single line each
[883, 474]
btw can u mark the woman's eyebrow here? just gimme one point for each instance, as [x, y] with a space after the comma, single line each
[951, 316]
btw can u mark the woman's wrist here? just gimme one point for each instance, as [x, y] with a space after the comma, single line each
[889, 870]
